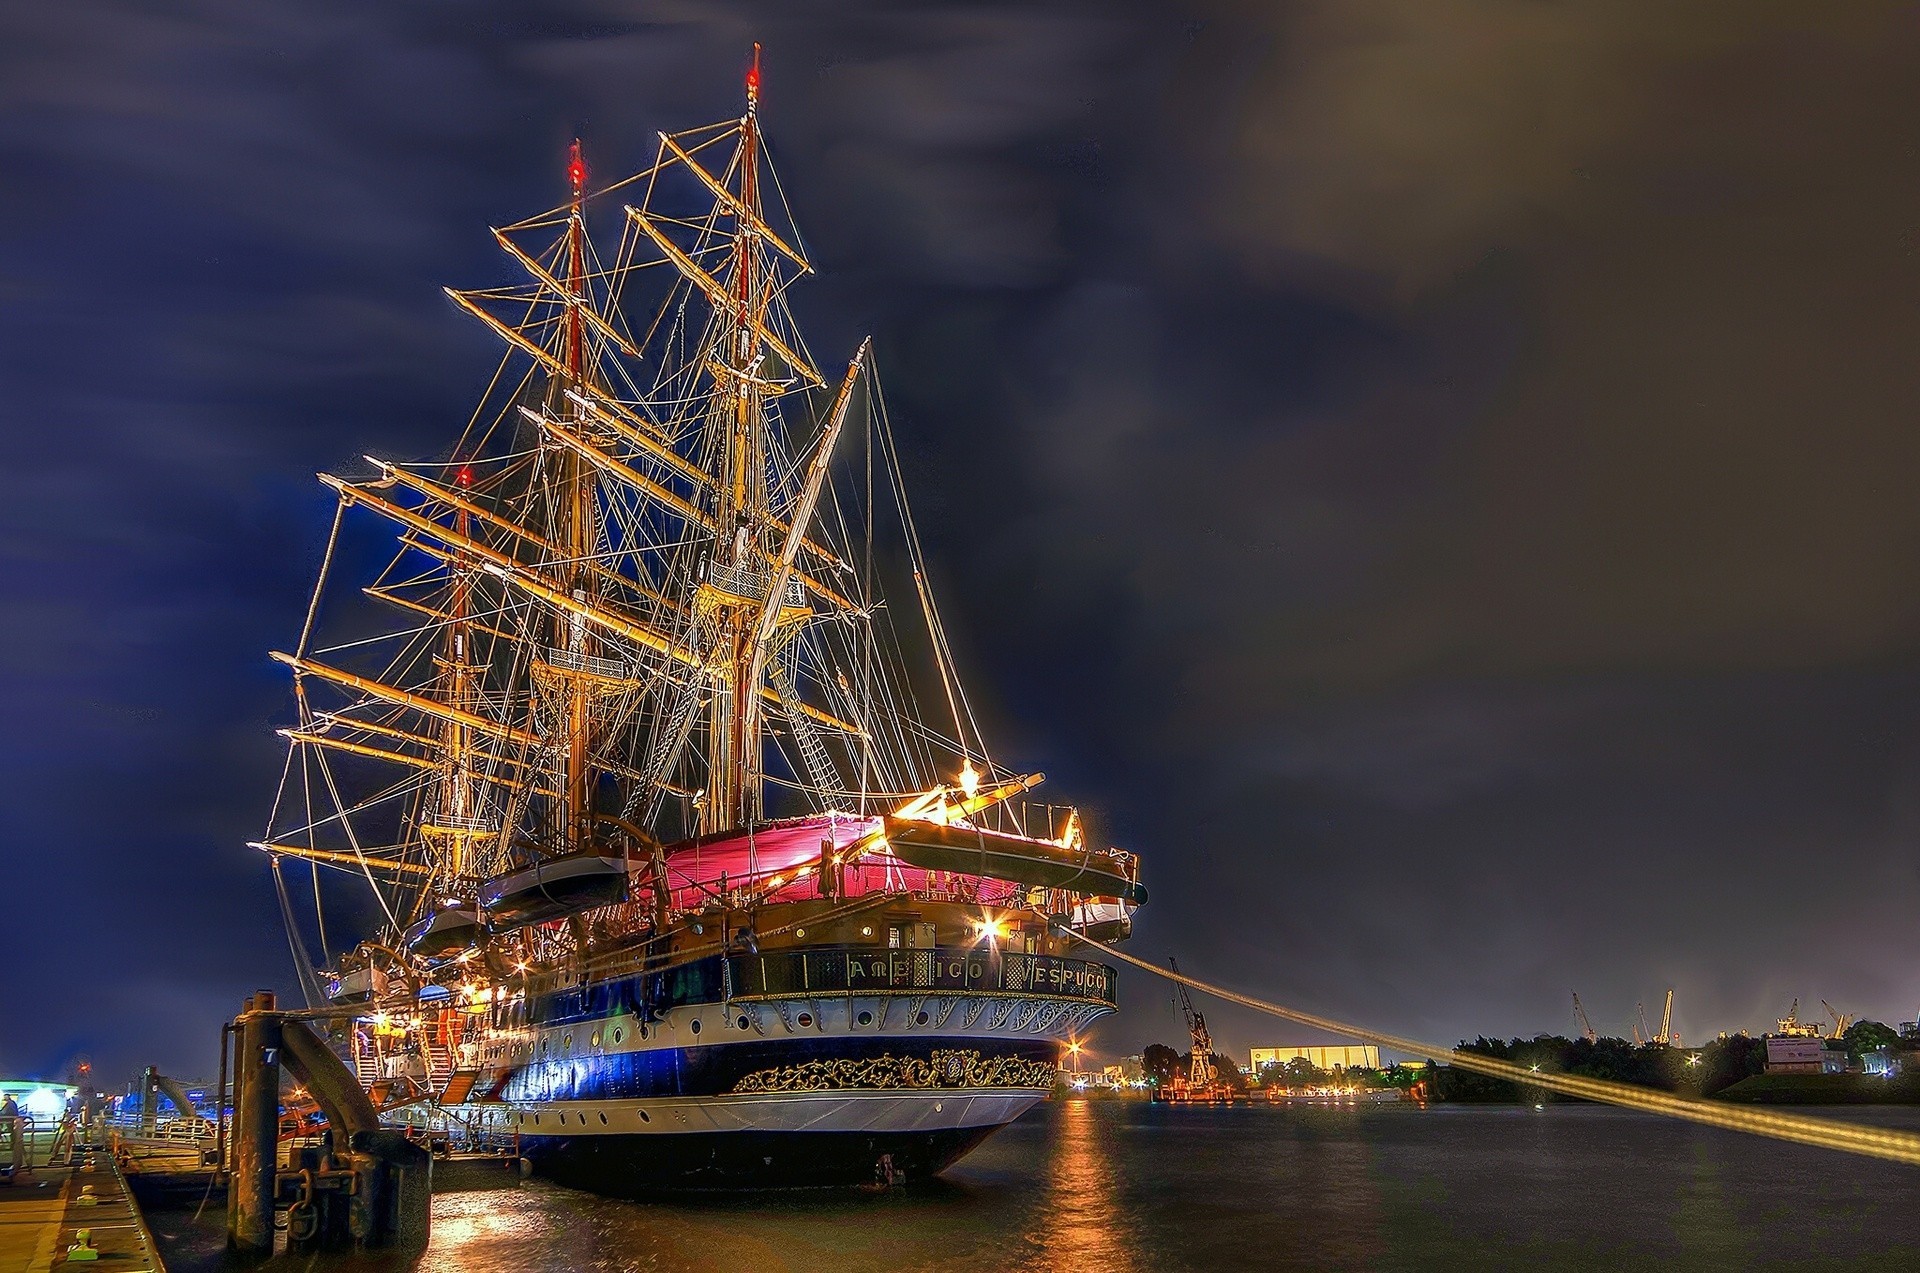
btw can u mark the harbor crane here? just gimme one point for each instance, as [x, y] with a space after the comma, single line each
[1580, 1015]
[1642, 1034]
[1201, 1073]
[1840, 1020]
[1666, 1035]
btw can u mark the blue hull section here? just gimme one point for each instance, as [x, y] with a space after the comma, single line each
[717, 1070]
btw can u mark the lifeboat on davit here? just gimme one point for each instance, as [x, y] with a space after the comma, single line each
[445, 931]
[553, 889]
[1002, 855]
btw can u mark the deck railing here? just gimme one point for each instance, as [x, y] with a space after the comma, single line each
[853, 970]
[826, 971]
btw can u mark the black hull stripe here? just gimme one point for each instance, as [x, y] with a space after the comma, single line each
[640, 1166]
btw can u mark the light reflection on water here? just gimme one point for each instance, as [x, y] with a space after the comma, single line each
[1102, 1187]
[1080, 1226]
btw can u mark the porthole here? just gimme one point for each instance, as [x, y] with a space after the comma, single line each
[745, 1024]
[805, 1019]
[696, 1025]
[567, 1041]
[645, 1033]
[865, 1018]
[536, 1119]
[866, 930]
[603, 1120]
[596, 1038]
[799, 932]
[645, 1117]
[617, 1034]
[921, 1019]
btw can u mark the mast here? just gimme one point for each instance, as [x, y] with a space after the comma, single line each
[456, 821]
[630, 599]
[576, 507]
[734, 745]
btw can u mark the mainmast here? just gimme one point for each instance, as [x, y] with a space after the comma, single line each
[733, 797]
[576, 531]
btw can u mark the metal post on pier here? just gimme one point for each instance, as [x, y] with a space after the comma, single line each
[367, 1186]
[220, 1100]
[256, 1129]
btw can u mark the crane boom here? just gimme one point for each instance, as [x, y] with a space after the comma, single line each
[1580, 1015]
[1201, 1071]
[1840, 1020]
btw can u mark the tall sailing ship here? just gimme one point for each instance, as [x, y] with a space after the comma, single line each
[671, 878]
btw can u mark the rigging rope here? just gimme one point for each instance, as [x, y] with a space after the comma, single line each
[1873, 1142]
[326, 563]
[302, 962]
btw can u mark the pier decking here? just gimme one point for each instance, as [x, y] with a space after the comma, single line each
[41, 1211]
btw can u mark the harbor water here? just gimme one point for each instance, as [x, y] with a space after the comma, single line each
[1106, 1185]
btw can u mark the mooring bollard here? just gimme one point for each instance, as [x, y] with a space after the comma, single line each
[256, 1130]
[395, 1201]
[377, 1194]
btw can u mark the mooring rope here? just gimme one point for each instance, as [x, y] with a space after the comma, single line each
[1873, 1142]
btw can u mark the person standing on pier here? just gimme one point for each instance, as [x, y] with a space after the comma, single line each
[10, 1135]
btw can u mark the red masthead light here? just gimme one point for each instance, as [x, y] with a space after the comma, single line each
[465, 476]
[753, 76]
[577, 169]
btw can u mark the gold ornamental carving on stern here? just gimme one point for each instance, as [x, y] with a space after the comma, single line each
[945, 1068]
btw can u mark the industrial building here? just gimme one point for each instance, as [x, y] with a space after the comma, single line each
[1794, 1054]
[1356, 1056]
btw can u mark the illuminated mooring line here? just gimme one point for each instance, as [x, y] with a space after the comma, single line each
[1872, 1142]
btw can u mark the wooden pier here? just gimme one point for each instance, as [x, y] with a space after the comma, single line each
[44, 1210]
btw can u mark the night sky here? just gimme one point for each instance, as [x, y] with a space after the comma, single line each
[1438, 479]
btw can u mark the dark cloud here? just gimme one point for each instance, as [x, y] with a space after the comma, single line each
[1433, 476]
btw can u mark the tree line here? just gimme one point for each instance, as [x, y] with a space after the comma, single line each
[1701, 1071]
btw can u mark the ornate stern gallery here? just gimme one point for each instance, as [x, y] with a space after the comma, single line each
[686, 863]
